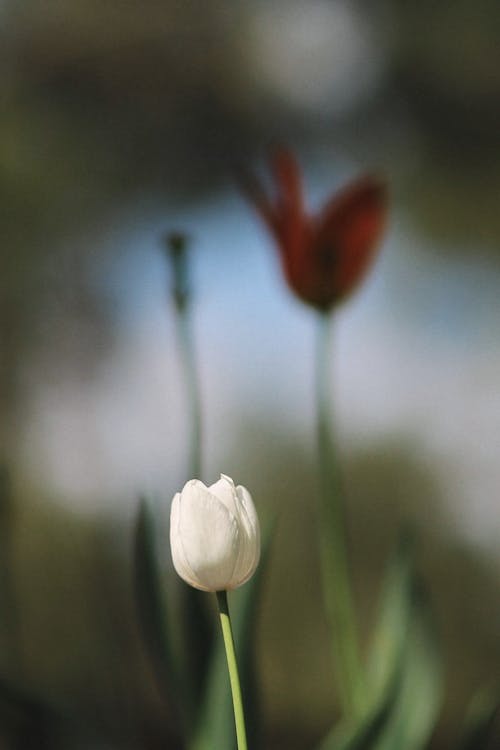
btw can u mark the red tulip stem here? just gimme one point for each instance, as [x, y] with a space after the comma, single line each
[336, 578]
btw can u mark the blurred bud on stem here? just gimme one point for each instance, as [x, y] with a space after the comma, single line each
[176, 250]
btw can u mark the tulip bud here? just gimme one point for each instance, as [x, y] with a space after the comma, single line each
[214, 535]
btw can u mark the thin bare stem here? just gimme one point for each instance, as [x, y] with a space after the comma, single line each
[337, 589]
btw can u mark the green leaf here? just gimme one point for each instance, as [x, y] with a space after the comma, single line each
[365, 733]
[404, 671]
[418, 701]
[151, 603]
[25, 720]
[195, 642]
[179, 642]
[215, 726]
[482, 723]
[395, 610]
[9, 615]
[385, 669]
[405, 643]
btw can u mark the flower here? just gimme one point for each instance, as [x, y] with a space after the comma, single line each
[214, 535]
[324, 256]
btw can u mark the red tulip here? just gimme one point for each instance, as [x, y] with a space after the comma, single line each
[324, 256]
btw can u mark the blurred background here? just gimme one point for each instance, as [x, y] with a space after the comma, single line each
[121, 121]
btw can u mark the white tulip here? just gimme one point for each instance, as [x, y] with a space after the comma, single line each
[214, 535]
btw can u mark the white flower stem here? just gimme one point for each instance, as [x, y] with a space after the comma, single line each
[227, 632]
[337, 590]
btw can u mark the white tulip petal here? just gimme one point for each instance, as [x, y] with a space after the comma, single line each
[250, 514]
[179, 559]
[225, 490]
[214, 534]
[249, 558]
[209, 537]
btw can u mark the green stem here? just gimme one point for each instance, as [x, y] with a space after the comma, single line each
[337, 590]
[193, 391]
[195, 626]
[227, 632]
[177, 253]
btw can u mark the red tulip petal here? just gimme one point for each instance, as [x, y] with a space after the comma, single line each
[348, 231]
[287, 176]
[253, 190]
[290, 206]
